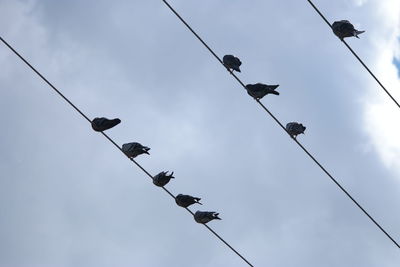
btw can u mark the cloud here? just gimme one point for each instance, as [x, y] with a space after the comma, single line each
[380, 112]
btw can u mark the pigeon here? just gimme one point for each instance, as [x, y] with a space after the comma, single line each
[186, 200]
[102, 124]
[259, 90]
[232, 63]
[132, 150]
[344, 28]
[205, 216]
[162, 178]
[294, 129]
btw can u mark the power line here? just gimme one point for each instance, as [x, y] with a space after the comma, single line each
[117, 146]
[356, 56]
[281, 125]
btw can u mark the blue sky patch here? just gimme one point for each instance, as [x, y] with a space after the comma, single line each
[396, 62]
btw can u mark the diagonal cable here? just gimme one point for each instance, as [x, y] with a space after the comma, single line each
[356, 56]
[115, 144]
[281, 125]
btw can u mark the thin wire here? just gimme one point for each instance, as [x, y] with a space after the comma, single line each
[355, 54]
[281, 125]
[43, 78]
[115, 144]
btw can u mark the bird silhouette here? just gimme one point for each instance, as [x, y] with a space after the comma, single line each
[231, 63]
[132, 150]
[102, 124]
[162, 178]
[344, 29]
[206, 216]
[186, 200]
[295, 128]
[259, 90]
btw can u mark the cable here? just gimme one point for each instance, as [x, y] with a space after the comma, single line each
[116, 145]
[355, 54]
[281, 125]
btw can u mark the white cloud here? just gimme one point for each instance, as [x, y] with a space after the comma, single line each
[381, 114]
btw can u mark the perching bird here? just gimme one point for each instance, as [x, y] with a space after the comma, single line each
[162, 178]
[344, 28]
[232, 63]
[259, 90]
[186, 200]
[205, 216]
[294, 129]
[132, 150]
[102, 124]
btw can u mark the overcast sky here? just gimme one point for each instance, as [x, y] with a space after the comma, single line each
[69, 198]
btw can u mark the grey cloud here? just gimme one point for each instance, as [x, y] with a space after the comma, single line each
[68, 198]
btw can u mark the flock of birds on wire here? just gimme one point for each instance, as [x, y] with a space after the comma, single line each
[342, 29]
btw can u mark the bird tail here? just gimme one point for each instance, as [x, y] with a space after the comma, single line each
[171, 176]
[114, 122]
[216, 216]
[274, 92]
[273, 87]
[108, 124]
[356, 33]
